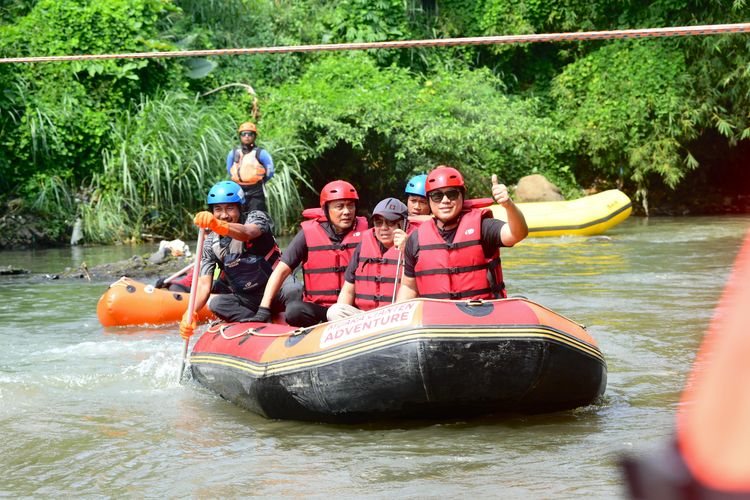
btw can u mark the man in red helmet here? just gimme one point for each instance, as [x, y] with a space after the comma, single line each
[323, 248]
[456, 255]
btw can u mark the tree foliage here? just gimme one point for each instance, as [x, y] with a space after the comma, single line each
[578, 112]
[56, 117]
[625, 107]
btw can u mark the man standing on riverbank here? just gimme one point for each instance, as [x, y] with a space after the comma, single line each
[250, 167]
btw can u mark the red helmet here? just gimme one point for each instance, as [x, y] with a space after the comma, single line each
[443, 176]
[337, 190]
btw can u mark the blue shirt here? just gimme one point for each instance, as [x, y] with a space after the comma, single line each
[264, 157]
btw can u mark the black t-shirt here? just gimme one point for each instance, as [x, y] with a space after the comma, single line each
[296, 253]
[490, 236]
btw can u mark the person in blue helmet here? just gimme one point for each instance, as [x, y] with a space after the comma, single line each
[242, 245]
[416, 201]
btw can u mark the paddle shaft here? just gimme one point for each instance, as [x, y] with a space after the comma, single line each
[193, 288]
[398, 269]
[178, 273]
[398, 264]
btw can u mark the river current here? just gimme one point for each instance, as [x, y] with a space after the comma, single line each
[92, 412]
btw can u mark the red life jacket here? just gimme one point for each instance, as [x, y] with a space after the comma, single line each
[185, 281]
[326, 261]
[458, 270]
[376, 274]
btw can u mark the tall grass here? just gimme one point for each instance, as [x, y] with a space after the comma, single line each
[169, 152]
[282, 192]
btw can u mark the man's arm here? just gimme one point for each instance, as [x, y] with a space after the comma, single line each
[274, 283]
[265, 158]
[257, 224]
[407, 290]
[346, 296]
[516, 229]
[244, 232]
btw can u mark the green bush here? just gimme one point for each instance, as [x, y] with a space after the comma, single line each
[377, 126]
[625, 106]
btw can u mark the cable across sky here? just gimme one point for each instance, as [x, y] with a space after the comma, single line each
[712, 29]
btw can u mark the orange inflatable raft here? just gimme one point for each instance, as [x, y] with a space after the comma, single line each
[130, 302]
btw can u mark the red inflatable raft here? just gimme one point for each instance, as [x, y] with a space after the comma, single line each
[422, 358]
[130, 302]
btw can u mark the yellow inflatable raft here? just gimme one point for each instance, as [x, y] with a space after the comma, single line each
[585, 216]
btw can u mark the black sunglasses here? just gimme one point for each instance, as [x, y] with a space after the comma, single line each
[247, 134]
[437, 196]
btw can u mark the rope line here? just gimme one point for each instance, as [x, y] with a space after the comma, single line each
[712, 29]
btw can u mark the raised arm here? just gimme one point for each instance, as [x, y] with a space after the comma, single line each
[516, 229]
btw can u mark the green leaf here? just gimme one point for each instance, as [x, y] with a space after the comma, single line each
[199, 68]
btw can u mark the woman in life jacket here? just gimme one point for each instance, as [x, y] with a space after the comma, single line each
[456, 255]
[371, 276]
[250, 167]
[323, 248]
[242, 246]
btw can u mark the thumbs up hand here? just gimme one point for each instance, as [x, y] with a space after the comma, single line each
[500, 192]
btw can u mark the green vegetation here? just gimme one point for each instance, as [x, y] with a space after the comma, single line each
[131, 146]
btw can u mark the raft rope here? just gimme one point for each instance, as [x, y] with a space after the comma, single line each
[710, 29]
[250, 331]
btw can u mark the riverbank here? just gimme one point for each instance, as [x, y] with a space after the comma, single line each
[21, 230]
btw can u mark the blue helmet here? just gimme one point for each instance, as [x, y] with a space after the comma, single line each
[416, 184]
[226, 192]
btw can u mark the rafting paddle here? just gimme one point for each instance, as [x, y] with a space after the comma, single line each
[177, 274]
[193, 288]
[398, 263]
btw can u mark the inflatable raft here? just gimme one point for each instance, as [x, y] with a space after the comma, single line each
[130, 302]
[585, 216]
[423, 358]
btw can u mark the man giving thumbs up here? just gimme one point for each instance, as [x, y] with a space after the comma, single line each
[456, 255]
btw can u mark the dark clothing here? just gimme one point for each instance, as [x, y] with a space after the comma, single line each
[245, 265]
[302, 313]
[260, 246]
[232, 307]
[491, 241]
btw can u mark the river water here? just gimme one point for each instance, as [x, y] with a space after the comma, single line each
[91, 412]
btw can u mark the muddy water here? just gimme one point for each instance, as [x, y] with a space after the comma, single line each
[87, 411]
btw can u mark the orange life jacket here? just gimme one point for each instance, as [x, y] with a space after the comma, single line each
[247, 170]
